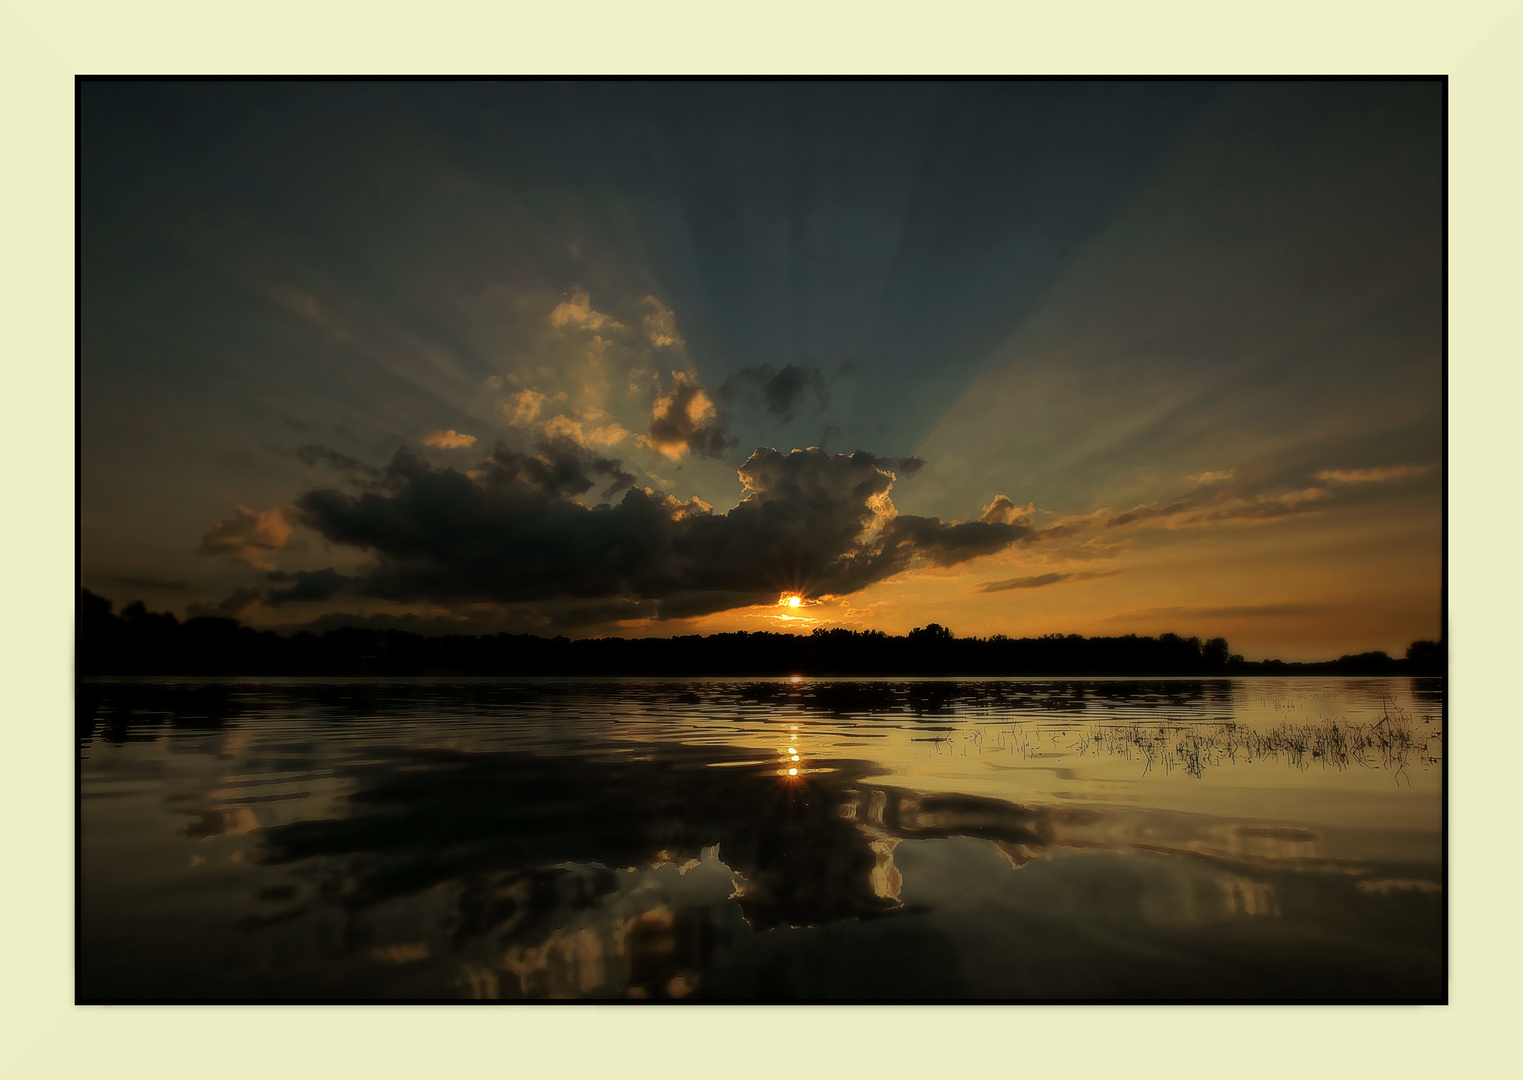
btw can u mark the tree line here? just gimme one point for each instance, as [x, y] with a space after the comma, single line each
[140, 642]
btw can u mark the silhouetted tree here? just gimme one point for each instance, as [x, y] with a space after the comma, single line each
[140, 642]
[1426, 657]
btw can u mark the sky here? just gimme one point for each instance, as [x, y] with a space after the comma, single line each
[653, 358]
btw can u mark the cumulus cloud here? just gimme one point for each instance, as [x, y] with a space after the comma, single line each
[1036, 581]
[659, 324]
[1371, 476]
[1003, 511]
[576, 311]
[449, 440]
[808, 521]
[594, 438]
[249, 537]
[524, 406]
[686, 420]
[559, 467]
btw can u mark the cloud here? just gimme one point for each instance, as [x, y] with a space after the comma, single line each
[313, 455]
[1195, 512]
[561, 467]
[1038, 580]
[248, 537]
[546, 618]
[685, 421]
[235, 606]
[659, 324]
[809, 521]
[1206, 478]
[1371, 476]
[1005, 512]
[523, 407]
[149, 583]
[1264, 507]
[781, 392]
[449, 440]
[305, 585]
[1241, 611]
[577, 312]
[598, 438]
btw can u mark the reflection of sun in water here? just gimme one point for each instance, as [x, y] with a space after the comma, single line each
[790, 764]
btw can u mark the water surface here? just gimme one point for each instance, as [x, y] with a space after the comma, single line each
[1010, 839]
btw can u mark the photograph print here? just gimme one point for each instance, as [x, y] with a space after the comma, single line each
[761, 541]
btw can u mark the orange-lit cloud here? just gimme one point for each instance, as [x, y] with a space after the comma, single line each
[249, 537]
[1202, 479]
[659, 323]
[449, 440]
[593, 438]
[524, 406]
[686, 421]
[1194, 512]
[1004, 512]
[578, 312]
[1371, 476]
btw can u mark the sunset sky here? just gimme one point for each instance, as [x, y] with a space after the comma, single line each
[608, 358]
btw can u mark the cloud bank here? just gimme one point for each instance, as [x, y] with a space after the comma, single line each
[512, 530]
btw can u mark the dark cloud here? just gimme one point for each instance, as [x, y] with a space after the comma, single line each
[510, 533]
[690, 605]
[687, 420]
[1038, 580]
[780, 391]
[948, 545]
[547, 619]
[313, 455]
[149, 583]
[305, 585]
[561, 466]
[234, 607]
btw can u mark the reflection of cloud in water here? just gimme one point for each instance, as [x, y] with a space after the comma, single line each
[222, 821]
[566, 867]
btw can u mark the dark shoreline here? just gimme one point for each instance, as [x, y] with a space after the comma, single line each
[138, 642]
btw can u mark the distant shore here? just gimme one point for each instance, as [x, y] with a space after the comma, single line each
[139, 642]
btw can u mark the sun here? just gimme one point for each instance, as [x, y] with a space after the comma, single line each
[794, 601]
[791, 600]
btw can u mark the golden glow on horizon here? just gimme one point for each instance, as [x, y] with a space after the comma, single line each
[1294, 588]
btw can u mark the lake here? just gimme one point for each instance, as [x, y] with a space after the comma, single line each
[761, 840]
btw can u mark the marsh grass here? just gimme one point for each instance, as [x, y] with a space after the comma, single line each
[1391, 743]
